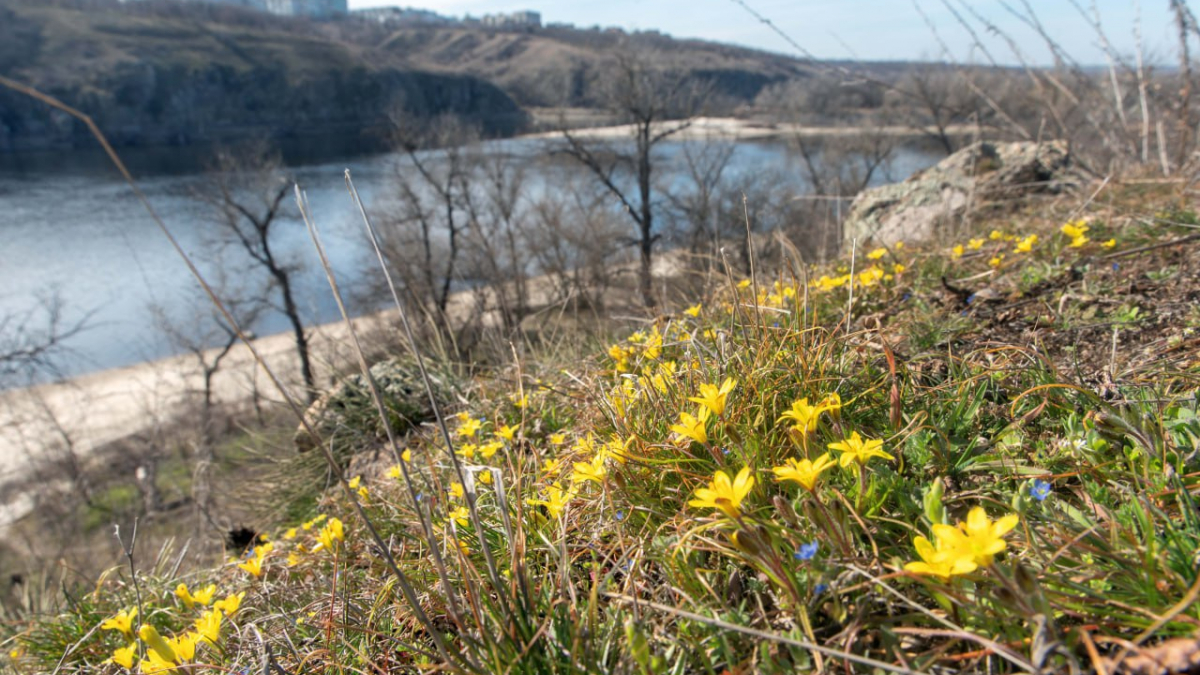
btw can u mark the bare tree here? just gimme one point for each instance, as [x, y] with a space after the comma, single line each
[497, 236]
[656, 104]
[32, 342]
[696, 202]
[248, 190]
[424, 237]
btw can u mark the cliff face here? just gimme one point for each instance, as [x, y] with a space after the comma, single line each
[162, 81]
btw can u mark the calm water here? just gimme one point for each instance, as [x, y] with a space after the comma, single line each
[72, 229]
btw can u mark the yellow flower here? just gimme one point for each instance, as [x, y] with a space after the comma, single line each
[290, 533]
[158, 646]
[1075, 229]
[202, 596]
[551, 466]
[725, 494]
[461, 515]
[877, 253]
[406, 456]
[870, 276]
[997, 260]
[694, 310]
[456, 490]
[803, 471]
[555, 502]
[254, 566]
[558, 439]
[123, 621]
[489, 449]
[996, 235]
[1110, 243]
[507, 432]
[208, 626]
[975, 244]
[329, 535]
[519, 401]
[485, 477]
[978, 535]
[155, 664]
[803, 416]
[467, 450]
[744, 283]
[942, 560]
[594, 470]
[395, 471]
[712, 397]
[963, 548]
[315, 521]
[355, 482]
[229, 606]
[123, 656]
[468, 428]
[1026, 245]
[692, 427]
[855, 450]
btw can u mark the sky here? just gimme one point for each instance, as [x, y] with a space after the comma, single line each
[859, 29]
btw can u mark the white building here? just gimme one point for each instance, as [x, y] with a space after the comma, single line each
[522, 19]
[401, 16]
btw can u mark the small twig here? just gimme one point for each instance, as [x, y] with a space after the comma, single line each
[1151, 247]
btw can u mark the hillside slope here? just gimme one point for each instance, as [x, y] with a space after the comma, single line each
[155, 80]
[168, 74]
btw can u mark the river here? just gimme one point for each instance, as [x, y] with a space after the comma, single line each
[73, 230]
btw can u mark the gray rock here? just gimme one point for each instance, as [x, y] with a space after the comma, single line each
[919, 208]
[347, 415]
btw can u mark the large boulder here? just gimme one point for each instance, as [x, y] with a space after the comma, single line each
[347, 416]
[918, 208]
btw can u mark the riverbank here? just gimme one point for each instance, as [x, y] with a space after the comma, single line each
[74, 419]
[746, 129]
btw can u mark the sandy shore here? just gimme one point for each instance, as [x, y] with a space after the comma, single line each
[737, 129]
[94, 410]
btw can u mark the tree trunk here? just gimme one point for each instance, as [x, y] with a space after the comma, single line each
[293, 314]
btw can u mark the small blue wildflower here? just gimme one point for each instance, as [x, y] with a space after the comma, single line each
[1116, 266]
[906, 296]
[1040, 489]
[820, 588]
[775, 325]
[970, 298]
[806, 551]
[725, 451]
[620, 515]
[420, 496]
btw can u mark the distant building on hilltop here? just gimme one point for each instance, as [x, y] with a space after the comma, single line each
[317, 9]
[523, 19]
[401, 16]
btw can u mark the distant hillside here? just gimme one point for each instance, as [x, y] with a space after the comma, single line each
[166, 73]
[560, 67]
[175, 80]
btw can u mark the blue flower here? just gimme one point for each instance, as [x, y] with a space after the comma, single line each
[820, 588]
[1040, 489]
[806, 551]
[1116, 266]
[620, 515]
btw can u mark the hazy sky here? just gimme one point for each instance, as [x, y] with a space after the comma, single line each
[866, 29]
